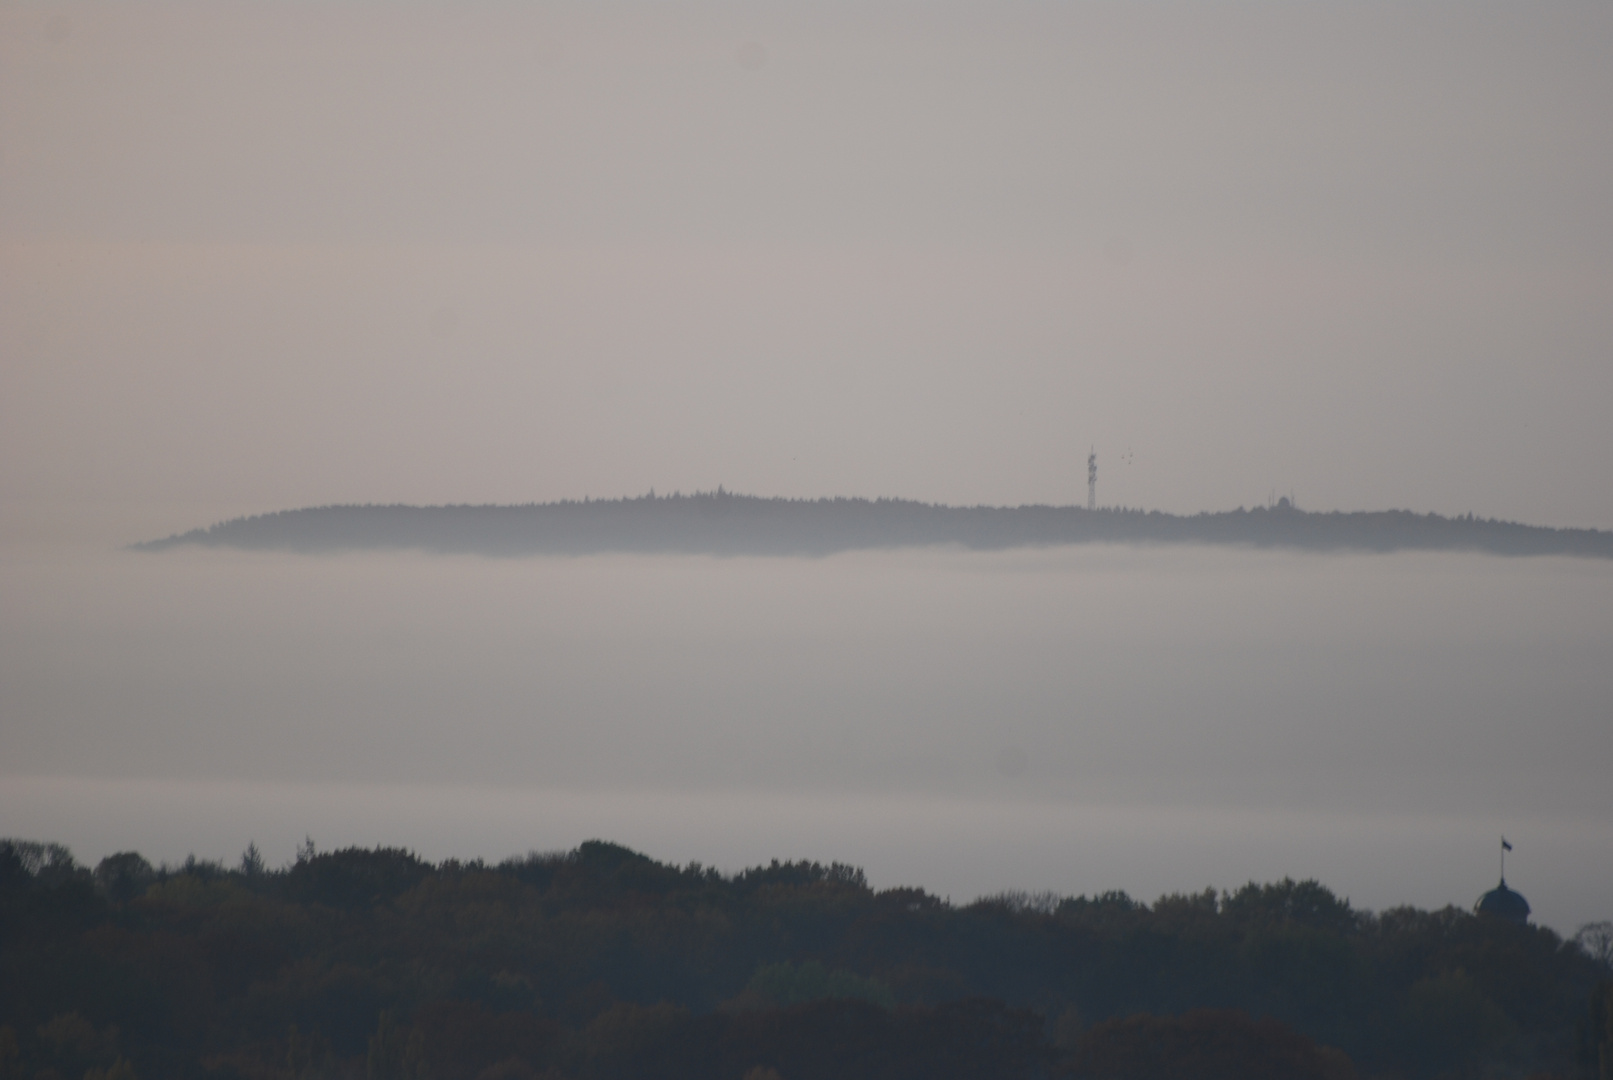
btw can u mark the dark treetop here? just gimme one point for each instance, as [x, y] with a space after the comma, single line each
[604, 964]
[722, 523]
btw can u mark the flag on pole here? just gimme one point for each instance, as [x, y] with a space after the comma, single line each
[1504, 845]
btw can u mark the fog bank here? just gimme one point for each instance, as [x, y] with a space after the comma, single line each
[1290, 713]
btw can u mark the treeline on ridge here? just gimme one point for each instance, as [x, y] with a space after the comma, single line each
[601, 963]
[722, 523]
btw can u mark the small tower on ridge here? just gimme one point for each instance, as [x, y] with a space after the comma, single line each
[1092, 479]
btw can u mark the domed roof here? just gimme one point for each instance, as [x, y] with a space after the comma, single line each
[1503, 903]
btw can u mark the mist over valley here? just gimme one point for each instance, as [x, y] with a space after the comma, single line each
[346, 732]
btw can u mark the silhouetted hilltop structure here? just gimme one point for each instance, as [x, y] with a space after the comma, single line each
[1503, 903]
[722, 523]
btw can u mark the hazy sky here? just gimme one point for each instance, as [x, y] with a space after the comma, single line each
[256, 256]
[265, 255]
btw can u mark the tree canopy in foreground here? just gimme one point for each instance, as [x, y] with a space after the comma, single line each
[603, 963]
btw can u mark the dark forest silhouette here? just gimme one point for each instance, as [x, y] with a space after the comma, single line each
[722, 523]
[603, 964]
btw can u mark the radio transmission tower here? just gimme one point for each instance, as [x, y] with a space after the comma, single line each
[1092, 479]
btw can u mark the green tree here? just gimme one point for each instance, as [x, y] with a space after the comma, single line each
[76, 1045]
[1597, 1028]
[124, 876]
[782, 985]
[396, 1052]
[10, 1055]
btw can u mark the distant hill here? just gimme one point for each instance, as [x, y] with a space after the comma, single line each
[722, 523]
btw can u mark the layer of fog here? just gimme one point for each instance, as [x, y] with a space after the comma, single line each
[1077, 719]
[255, 257]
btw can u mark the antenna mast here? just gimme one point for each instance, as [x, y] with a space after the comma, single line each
[1092, 479]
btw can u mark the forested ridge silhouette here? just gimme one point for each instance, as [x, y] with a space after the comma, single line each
[603, 963]
[722, 523]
